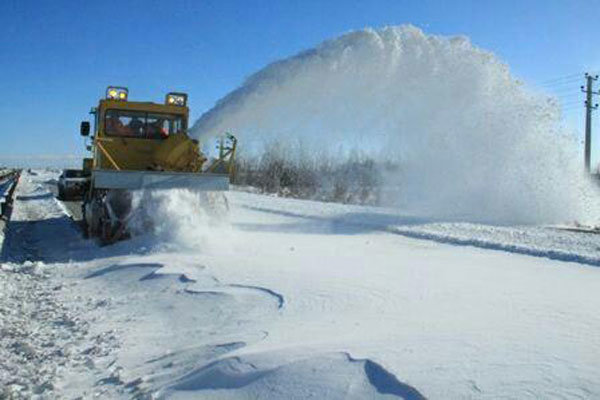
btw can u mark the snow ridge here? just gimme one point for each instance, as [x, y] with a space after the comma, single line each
[538, 241]
[496, 244]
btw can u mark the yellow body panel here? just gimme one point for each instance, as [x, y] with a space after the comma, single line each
[178, 153]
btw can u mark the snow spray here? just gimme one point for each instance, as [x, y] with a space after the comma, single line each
[470, 140]
[181, 217]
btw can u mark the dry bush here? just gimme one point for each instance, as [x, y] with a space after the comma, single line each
[354, 179]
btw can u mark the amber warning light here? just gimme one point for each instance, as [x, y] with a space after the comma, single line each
[117, 93]
[176, 99]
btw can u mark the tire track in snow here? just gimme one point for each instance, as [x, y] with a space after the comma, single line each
[42, 338]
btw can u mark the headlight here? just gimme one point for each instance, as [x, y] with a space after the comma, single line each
[176, 99]
[117, 93]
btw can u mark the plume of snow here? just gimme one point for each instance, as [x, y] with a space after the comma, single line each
[472, 142]
[186, 218]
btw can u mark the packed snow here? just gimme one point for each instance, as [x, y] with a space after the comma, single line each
[294, 299]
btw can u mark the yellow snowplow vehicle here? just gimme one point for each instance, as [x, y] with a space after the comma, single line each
[138, 146]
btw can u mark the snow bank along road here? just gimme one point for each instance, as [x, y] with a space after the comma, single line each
[295, 300]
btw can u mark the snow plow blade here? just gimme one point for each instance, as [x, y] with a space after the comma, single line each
[135, 180]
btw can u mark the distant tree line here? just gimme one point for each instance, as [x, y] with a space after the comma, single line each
[354, 179]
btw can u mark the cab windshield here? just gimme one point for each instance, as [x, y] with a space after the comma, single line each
[142, 125]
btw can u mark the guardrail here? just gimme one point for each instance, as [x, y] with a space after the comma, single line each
[8, 184]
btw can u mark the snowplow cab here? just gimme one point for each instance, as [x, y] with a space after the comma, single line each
[132, 135]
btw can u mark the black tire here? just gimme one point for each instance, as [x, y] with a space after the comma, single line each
[85, 229]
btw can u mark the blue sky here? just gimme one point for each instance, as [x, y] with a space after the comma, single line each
[57, 57]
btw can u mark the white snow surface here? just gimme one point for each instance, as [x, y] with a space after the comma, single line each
[292, 299]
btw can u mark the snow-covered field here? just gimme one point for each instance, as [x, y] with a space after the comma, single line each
[292, 300]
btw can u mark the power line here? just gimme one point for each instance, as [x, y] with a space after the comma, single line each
[572, 107]
[561, 95]
[578, 103]
[560, 83]
[569, 98]
[565, 79]
[570, 76]
[566, 96]
[571, 111]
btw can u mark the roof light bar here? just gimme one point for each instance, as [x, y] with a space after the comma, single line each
[117, 93]
[176, 99]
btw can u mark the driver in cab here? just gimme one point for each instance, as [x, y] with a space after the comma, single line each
[114, 126]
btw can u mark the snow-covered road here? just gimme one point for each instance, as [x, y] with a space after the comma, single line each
[297, 299]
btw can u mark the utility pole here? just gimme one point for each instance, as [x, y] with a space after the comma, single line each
[589, 107]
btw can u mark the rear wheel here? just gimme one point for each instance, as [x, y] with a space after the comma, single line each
[110, 213]
[106, 232]
[93, 213]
